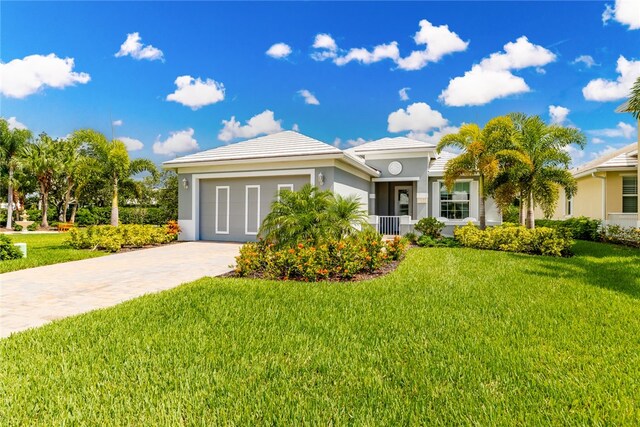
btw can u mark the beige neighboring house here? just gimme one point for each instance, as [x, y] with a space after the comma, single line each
[607, 189]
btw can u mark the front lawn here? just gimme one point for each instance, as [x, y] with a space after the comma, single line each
[44, 249]
[454, 336]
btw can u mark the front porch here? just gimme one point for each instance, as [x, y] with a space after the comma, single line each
[623, 219]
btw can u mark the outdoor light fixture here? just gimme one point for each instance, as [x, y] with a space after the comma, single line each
[321, 178]
[185, 183]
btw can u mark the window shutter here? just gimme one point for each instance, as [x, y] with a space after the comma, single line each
[435, 189]
[474, 200]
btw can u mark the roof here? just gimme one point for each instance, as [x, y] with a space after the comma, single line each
[397, 143]
[437, 166]
[625, 157]
[279, 145]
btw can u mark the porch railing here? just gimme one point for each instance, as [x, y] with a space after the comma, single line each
[623, 219]
[389, 225]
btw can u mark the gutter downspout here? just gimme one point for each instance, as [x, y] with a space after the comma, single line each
[604, 196]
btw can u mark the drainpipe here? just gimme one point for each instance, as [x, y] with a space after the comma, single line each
[604, 196]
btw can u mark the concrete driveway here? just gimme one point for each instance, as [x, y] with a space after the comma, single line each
[35, 296]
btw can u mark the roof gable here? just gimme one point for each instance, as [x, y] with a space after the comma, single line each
[624, 157]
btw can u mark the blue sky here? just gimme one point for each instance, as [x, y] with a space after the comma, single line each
[217, 54]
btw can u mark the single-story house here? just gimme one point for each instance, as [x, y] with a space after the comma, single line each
[225, 193]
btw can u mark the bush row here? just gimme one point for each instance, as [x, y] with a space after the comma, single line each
[364, 252]
[628, 236]
[128, 215]
[537, 241]
[112, 239]
[582, 228]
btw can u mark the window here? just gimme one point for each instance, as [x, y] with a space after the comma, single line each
[569, 206]
[455, 205]
[629, 194]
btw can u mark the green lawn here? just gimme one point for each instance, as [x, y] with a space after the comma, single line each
[454, 336]
[44, 249]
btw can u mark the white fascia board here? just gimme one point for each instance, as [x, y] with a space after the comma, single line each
[397, 179]
[587, 172]
[396, 154]
[254, 160]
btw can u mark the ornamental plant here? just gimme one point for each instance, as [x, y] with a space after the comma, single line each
[7, 249]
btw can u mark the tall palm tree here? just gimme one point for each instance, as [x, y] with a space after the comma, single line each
[547, 162]
[42, 161]
[114, 161]
[12, 143]
[480, 156]
[71, 161]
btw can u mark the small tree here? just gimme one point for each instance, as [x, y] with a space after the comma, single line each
[12, 143]
[41, 159]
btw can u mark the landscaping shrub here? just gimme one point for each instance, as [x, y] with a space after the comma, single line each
[538, 241]
[112, 239]
[411, 237]
[363, 252]
[16, 227]
[429, 226]
[582, 228]
[128, 215]
[442, 242]
[628, 236]
[7, 249]
[511, 214]
[33, 227]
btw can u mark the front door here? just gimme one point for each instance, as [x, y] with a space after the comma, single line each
[403, 198]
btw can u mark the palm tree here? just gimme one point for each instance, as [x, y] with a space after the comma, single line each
[545, 168]
[12, 143]
[633, 105]
[41, 159]
[71, 160]
[480, 156]
[114, 161]
[311, 215]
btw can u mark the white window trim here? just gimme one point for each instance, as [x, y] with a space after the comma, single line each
[246, 210]
[622, 176]
[473, 204]
[282, 186]
[218, 188]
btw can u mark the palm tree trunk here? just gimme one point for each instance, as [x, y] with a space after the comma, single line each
[530, 217]
[481, 205]
[10, 198]
[522, 214]
[45, 209]
[114, 204]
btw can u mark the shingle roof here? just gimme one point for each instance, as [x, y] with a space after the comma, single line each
[397, 143]
[282, 144]
[621, 158]
[437, 166]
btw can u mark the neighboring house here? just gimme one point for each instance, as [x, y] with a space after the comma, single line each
[607, 189]
[225, 193]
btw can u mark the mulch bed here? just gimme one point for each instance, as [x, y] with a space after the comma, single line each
[382, 271]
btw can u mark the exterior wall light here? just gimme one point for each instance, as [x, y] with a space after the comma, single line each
[185, 183]
[321, 178]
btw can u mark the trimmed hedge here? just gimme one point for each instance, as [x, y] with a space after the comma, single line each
[127, 215]
[581, 228]
[537, 241]
[112, 239]
[364, 252]
[7, 249]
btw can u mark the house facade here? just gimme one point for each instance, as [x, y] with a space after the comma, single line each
[607, 189]
[225, 193]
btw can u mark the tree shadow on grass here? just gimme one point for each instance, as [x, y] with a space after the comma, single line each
[612, 267]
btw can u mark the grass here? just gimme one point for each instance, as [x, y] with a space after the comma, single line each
[44, 249]
[454, 336]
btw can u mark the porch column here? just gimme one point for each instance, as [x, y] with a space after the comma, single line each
[372, 198]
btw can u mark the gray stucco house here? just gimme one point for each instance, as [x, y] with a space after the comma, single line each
[224, 193]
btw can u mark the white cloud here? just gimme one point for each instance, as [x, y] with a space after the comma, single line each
[326, 45]
[418, 117]
[196, 93]
[263, 123]
[609, 90]
[279, 50]
[117, 123]
[438, 41]
[435, 136]
[133, 144]
[404, 96]
[13, 123]
[626, 12]
[558, 114]
[576, 154]
[133, 47]
[356, 142]
[178, 142]
[492, 78]
[337, 142]
[622, 130]
[295, 127]
[309, 98]
[606, 150]
[587, 60]
[23, 77]
[597, 140]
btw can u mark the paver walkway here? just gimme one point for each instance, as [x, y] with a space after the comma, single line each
[36, 296]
